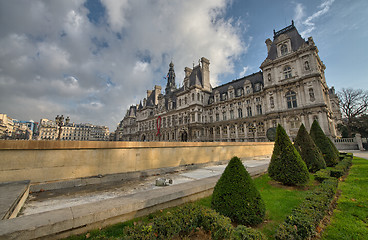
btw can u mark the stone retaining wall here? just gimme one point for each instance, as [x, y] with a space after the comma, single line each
[52, 161]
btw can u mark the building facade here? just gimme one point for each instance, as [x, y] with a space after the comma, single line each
[290, 89]
[48, 130]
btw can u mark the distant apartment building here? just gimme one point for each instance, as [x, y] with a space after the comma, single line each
[48, 130]
[6, 126]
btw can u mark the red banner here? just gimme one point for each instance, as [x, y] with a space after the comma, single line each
[158, 123]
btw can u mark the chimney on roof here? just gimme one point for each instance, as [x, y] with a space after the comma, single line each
[157, 92]
[149, 92]
[268, 43]
[206, 74]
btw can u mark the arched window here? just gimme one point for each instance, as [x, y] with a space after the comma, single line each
[291, 99]
[192, 96]
[311, 94]
[283, 49]
[287, 72]
[269, 77]
[179, 102]
[272, 102]
[185, 100]
[198, 97]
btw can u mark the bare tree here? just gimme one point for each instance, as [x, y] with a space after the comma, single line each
[353, 102]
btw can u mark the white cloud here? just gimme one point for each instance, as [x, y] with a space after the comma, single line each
[299, 12]
[53, 60]
[309, 22]
[245, 69]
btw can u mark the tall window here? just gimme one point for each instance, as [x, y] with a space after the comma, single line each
[259, 109]
[272, 102]
[249, 111]
[192, 96]
[240, 113]
[287, 72]
[217, 117]
[269, 77]
[291, 99]
[185, 100]
[231, 114]
[284, 49]
[198, 97]
[224, 116]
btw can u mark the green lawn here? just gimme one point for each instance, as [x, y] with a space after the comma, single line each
[350, 218]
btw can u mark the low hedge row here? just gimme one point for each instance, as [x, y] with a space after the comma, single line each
[305, 218]
[338, 171]
[189, 218]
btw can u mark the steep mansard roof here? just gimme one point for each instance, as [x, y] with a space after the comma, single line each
[239, 83]
[195, 77]
[296, 40]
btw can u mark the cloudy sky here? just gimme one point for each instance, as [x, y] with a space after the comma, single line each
[92, 59]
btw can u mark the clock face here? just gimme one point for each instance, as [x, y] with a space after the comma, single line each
[271, 134]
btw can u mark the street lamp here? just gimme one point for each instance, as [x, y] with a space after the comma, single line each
[60, 123]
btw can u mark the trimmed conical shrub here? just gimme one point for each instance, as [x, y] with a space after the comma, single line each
[334, 147]
[286, 164]
[309, 152]
[323, 143]
[236, 196]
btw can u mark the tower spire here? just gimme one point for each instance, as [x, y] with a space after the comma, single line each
[170, 86]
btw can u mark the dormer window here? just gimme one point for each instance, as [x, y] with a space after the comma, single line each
[248, 89]
[257, 87]
[239, 92]
[224, 96]
[283, 49]
[287, 72]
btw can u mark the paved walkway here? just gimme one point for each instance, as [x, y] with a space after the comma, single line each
[10, 194]
[357, 153]
[69, 197]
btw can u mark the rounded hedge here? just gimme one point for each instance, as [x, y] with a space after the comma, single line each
[236, 196]
[286, 164]
[324, 144]
[309, 152]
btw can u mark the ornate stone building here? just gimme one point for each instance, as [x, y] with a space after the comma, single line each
[289, 90]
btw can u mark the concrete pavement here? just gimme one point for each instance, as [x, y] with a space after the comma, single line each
[12, 197]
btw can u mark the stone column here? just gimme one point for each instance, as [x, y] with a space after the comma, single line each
[228, 132]
[220, 133]
[245, 131]
[214, 134]
[236, 132]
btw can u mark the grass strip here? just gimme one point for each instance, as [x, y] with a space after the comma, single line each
[350, 218]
